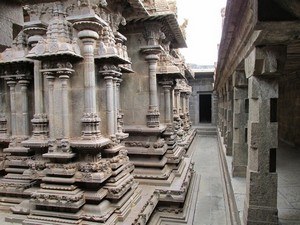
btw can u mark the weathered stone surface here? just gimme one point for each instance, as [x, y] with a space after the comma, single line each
[71, 163]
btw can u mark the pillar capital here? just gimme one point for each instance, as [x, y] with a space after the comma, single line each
[85, 35]
[151, 52]
[11, 83]
[110, 70]
[153, 34]
[108, 78]
[267, 60]
[24, 82]
[166, 84]
[239, 79]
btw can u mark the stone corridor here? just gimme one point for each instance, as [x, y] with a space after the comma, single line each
[210, 208]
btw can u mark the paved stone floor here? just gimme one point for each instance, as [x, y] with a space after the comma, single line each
[210, 209]
[288, 168]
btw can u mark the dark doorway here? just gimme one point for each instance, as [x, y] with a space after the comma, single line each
[205, 108]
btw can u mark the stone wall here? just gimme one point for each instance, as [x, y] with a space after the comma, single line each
[289, 110]
[135, 84]
[203, 83]
[11, 17]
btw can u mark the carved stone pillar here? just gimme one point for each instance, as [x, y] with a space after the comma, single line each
[177, 101]
[215, 108]
[120, 133]
[240, 120]
[65, 106]
[187, 103]
[219, 122]
[90, 119]
[17, 155]
[40, 119]
[152, 56]
[51, 112]
[223, 115]
[261, 198]
[167, 93]
[228, 118]
[110, 105]
[153, 112]
[183, 101]
[13, 112]
[261, 66]
[115, 104]
[24, 95]
[111, 74]
[58, 110]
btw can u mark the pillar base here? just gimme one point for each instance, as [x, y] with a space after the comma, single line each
[258, 215]
[261, 200]
[239, 170]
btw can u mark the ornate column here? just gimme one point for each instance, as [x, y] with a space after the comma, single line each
[240, 120]
[90, 119]
[58, 109]
[13, 112]
[187, 102]
[25, 118]
[262, 66]
[167, 94]
[50, 78]
[118, 84]
[153, 112]
[115, 106]
[111, 74]
[120, 133]
[40, 128]
[40, 119]
[183, 101]
[65, 106]
[153, 36]
[110, 105]
[177, 101]
[179, 104]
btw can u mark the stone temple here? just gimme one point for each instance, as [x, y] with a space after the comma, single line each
[95, 120]
[100, 115]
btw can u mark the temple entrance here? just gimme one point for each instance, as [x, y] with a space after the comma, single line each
[205, 108]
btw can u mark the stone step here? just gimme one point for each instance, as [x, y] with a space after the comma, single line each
[207, 131]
